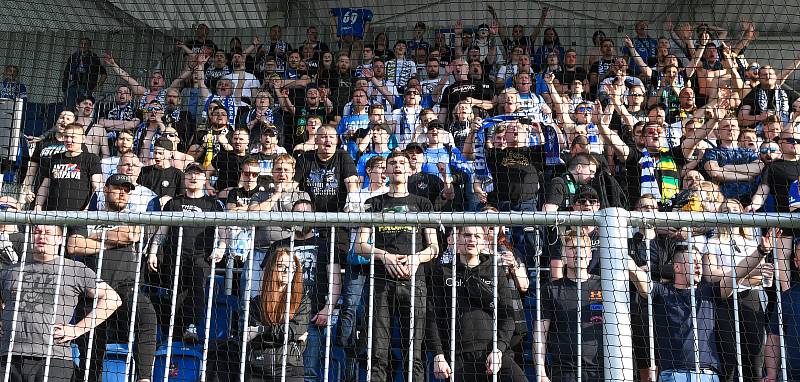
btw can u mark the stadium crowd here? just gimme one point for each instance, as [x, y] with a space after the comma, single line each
[499, 120]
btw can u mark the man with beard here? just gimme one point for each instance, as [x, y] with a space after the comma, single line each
[148, 132]
[199, 248]
[95, 141]
[121, 115]
[208, 143]
[251, 83]
[464, 87]
[140, 199]
[38, 281]
[122, 145]
[119, 268]
[342, 82]
[218, 69]
[297, 116]
[381, 89]
[314, 255]
[226, 165]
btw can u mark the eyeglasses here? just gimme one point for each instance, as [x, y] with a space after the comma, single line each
[584, 109]
[170, 135]
[282, 268]
[636, 94]
[768, 150]
[586, 201]
[252, 174]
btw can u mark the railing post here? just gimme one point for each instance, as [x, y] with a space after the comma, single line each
[617, 338]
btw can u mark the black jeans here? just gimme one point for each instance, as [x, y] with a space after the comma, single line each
[471, 367]
[570, 374]
[115, 330]
[751, 331]
[31, 369]
[393, 299]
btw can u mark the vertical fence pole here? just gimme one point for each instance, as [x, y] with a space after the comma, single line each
[453, 300]
[537, 334]
[618, 342]
[330, 305]
[412, 262]
[370, 304]
[93, 321]
[579, 275]
[288, 307]
[173, 303]
[136, 281]
[650, 329]
[209, 303]
[17, 300]
[732, 255]
[246, 313]
[495, 311]
[776, 260]
[693, 304]
[51, 326]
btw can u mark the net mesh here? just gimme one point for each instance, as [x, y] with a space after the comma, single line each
[379, 109]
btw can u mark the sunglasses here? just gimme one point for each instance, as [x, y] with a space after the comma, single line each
[170, 135]
[768, 150]
[636, 94]
[586, 201]
[412, 93]
[153, 108]
[252, 174]
[584, 109]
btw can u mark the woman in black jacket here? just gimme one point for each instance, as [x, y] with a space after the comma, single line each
[268, 316]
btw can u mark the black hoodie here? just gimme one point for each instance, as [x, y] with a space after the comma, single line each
[474, 308]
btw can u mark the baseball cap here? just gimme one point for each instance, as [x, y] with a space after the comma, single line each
[165, 144]
[193, 167]
[120, 180]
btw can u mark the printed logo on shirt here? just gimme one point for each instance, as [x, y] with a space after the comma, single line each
[323, 182]
[66, 171]
[307, 254]
[190, 208]
[395, 229]
[596, 295]
[53, 150]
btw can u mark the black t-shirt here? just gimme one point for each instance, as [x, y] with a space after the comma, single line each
[70, 180]
[565, 77]
[198, 241]
[164, 182]
[755, 108]
[228, 165]
[325, 181]
[560, 306]
[46, 149]
[394, 238]
[601, 67]
[119, 264]
[314, 255]
[779, 176]
[426, 185]
[240, 197]
[461, 90]
[515, 172]
[560, 193]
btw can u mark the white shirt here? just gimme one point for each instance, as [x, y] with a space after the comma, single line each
[109, 167]
[406, 122]
[250, 83]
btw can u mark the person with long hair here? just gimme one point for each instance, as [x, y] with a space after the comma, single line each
[268, 316]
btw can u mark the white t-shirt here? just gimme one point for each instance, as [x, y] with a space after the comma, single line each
[250, 83]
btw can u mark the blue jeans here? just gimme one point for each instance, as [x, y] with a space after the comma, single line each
[352, 293]
[315, 351]
[526, 242]
[687, 376]
[256, 276]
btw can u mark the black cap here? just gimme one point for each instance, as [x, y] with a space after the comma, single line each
[419, 24]
[586, 192]
[165, 144]
[483, 26]
[414, 146]
[120, 180]
[194, 167]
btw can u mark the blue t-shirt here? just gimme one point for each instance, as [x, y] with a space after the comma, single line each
[790, 305]
[646, 47]
[441, 155]
[361, 166]
[352, 124]
[725, 156]
[351, 21]
[675, 336]
[539, 59]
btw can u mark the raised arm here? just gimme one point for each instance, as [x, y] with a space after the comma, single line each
[787, 72]
[697, 54]
[537, 29]
[610, 137]
[748, 35]
[748, 264]
[637, 58]
[136, 88]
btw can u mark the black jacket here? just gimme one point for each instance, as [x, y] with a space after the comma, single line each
[474, 308]
[266, 350]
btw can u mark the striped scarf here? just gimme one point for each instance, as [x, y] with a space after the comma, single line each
[669, 176]
[781, 102]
